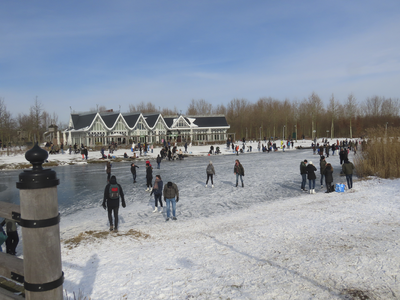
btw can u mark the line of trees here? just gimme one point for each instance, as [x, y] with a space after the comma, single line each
[25, 127]
[309, 117]
[268, 117]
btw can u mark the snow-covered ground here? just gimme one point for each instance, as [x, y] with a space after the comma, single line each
[267, 240]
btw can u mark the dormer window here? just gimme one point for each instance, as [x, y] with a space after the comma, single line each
[181, 123]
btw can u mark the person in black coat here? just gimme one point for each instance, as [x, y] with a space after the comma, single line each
[158, 161]
[149, 176]
[133, 171]
[311, 177]
[328, 172]
[112, 193]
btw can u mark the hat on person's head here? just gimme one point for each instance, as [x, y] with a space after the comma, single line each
[305, 160]
[310, 163]
[322, 157]
[210, 162]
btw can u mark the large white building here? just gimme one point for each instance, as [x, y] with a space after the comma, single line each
[102, 128]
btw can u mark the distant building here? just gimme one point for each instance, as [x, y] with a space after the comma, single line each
[102, 128]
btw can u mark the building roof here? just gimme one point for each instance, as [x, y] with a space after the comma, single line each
[109, 118]
[81, 121]
[84, 120]
[131, 119]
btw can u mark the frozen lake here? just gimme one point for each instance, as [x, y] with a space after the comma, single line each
[268, 177]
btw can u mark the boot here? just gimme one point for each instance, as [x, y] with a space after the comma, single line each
[111, 228]
[242, 184]
[155, 209]
[313, 191]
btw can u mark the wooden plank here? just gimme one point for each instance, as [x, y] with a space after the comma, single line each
[6, 209]
[10, 263]
[7, 295]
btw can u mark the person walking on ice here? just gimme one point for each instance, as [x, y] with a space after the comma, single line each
[210, 173]
[133, 171]
[311, 177]
[303, 173]
[238, 170]
[171, 197]
[347, 169]
[112, 193]
[157, 191]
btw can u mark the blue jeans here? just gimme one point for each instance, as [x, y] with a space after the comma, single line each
[169, 202]
[322, 179]
[158, 165]
[303, 180]
[349, 179]
[311, 181]
[237, 178]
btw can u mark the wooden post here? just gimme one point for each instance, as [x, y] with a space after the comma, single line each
[39, 219]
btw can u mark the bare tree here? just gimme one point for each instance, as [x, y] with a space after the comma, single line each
[332, 111]
[315, 107]
[351, 111]
[373, 106]
[390, 107]
[36, 119]
[199, 107]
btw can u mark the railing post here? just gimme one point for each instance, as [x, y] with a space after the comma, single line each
[39, 219]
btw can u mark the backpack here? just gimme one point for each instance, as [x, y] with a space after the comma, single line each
[114, 191]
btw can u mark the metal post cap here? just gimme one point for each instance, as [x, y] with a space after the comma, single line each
[36, 156]
[37, 178]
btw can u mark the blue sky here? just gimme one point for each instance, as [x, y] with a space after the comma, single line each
[81, 54]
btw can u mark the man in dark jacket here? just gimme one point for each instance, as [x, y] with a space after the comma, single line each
[303, 172]
[149, 176]
[322, 166]
[133, 171]
[171, 197]
[342, 155]
[112, 193]
[158, 161]
[311, 177]
[347, 169]
[329, 178]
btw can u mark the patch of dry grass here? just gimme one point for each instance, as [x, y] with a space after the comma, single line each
[380, 156]
[92, 235]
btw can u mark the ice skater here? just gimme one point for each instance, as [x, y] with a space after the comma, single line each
[157, 191]
[133, 171]
[238, 170]
[112, 193]
[171, 197]
[311, 177]
[210, 173]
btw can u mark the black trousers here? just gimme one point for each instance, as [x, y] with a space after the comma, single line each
[210, 176]
[110, 219]
[12, 242]
[157, 198]
[149, 182]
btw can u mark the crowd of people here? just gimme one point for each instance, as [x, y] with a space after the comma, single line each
[113, 192]
[307, 168]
